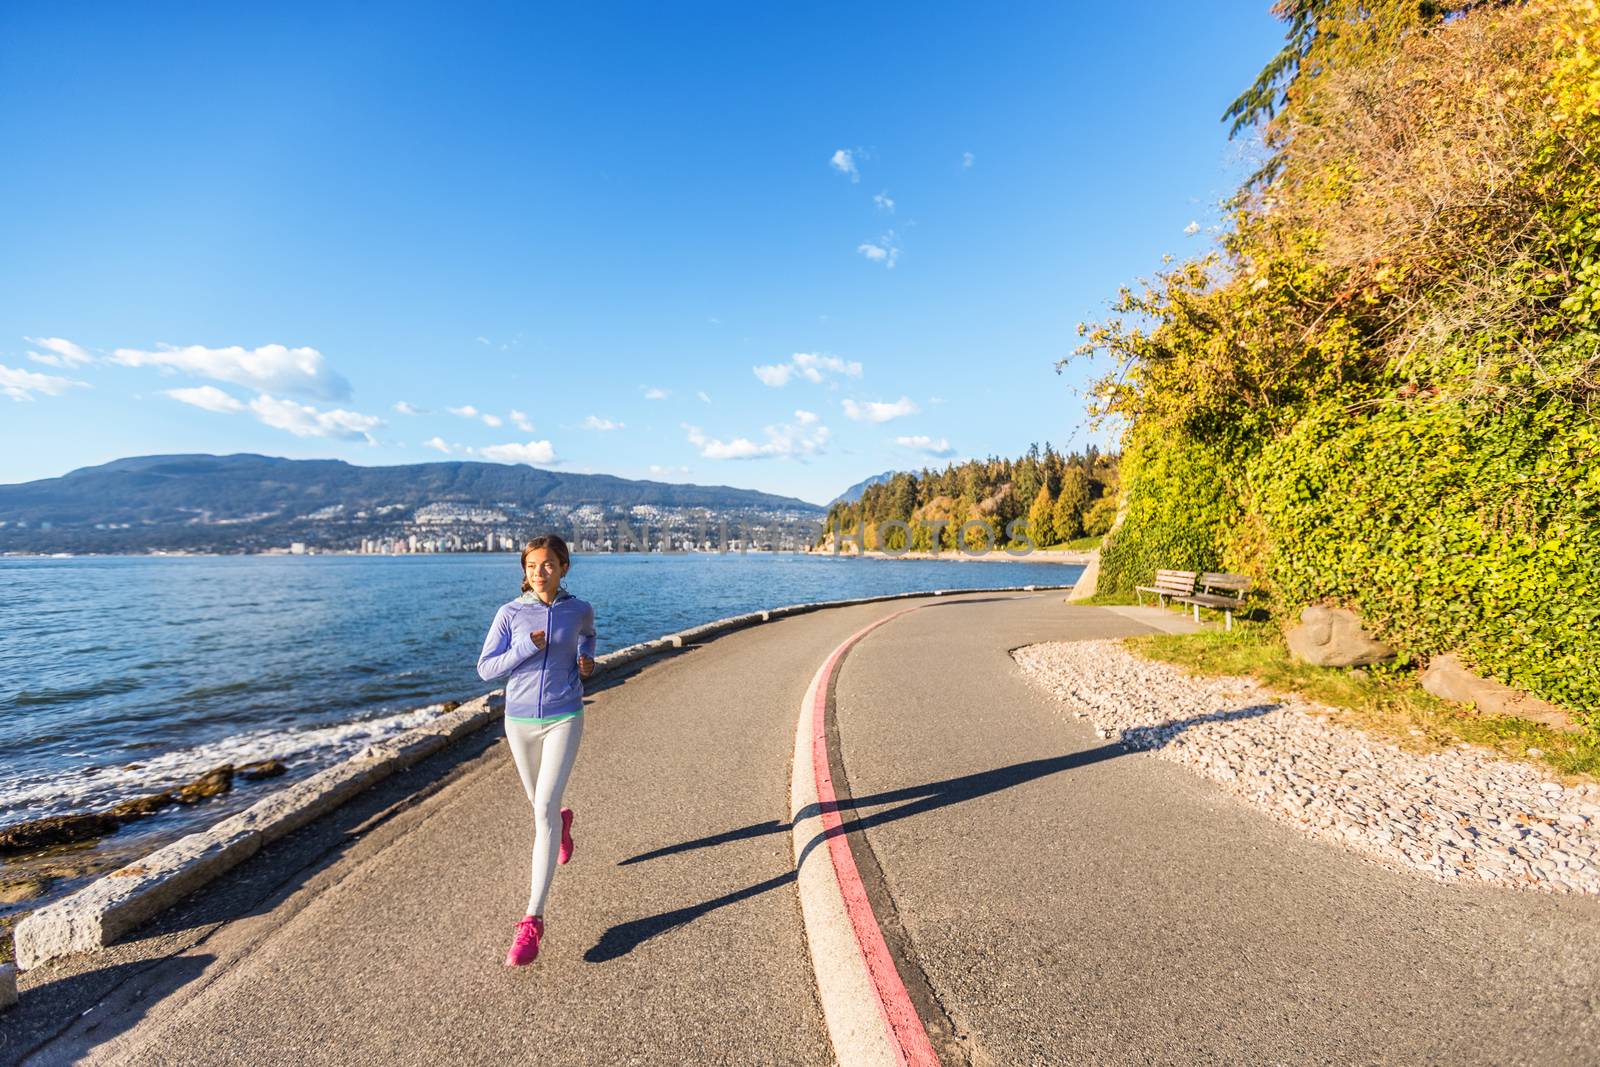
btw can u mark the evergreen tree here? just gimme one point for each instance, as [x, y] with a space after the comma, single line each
[1067, 515]
[960, 513]
[1052, 466]
[1041, 518]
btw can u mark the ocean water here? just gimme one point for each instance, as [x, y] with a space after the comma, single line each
[125, 676]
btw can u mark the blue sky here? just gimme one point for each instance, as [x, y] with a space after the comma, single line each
[776, 248]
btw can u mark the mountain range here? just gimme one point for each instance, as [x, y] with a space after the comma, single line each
[145, 501]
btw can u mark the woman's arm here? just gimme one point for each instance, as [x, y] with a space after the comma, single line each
[586, 635]
[501, 651]
[586, 644]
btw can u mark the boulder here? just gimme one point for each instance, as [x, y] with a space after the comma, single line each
[140, 806]
[1449, 679]
[210, 784]
[267, 768]
[55, 830]
[1334, 637]
[18, 890]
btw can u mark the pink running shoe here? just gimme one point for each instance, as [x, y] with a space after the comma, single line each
[566, 836]
[525, 948]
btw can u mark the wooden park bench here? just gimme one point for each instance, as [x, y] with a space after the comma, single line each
[1174, 584]
[1224, 592]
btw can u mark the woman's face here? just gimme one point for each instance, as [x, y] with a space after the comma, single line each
[544, 572]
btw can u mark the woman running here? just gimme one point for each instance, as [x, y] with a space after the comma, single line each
[545, 640]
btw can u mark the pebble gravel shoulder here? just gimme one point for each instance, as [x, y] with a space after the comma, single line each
[1460, 815]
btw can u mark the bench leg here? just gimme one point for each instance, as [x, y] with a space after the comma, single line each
[1228, 625]
[1197, 614]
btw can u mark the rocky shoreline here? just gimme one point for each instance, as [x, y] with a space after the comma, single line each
[1463, 815]
[40, 834]
[37, 854]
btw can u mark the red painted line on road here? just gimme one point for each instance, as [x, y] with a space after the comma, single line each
[911, 1043]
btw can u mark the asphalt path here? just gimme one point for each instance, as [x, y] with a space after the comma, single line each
[1051, 898]
[392, 953]
[1061, 900]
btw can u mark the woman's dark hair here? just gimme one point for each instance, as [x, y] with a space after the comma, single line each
[555, 544]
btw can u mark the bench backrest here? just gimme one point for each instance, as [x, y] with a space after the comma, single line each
[1178, 583]
[1237, 584]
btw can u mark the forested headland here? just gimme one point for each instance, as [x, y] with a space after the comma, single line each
[1378, 389]
[1038, 500]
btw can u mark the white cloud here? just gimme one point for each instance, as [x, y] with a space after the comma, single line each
[208, 398]
[270, 368]
[703, 396]
[805, 418]
[531, 453]
[441, 444]
[775, 375]
[656, 468]
[467, 411]
[781, 441]
[595, 422]
[60, 352]
[936, 400]
[406, 409]
[812, 366]
[844, 161]
[520, 420]
[924, 443]
[1192, 229]
[481, 341]
[21, 384]
[303, 420]
[653, 393]
[966, 161]
[884, 201]
[886, 251]
[878, 411]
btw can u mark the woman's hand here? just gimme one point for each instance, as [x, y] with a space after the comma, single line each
[585, 666]
[538, 639]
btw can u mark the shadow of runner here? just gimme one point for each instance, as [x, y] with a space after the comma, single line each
[623, 938]
[952, 790]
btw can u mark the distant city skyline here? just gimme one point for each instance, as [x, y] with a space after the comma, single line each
[773, 249]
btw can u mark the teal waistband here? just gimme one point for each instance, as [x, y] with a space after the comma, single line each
[553, 718]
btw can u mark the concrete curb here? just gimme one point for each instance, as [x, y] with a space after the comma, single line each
[855, 1026]
[106, 909]
[117, 903]
[870, 1017]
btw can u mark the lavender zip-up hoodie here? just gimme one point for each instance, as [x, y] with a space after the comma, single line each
[544, 682]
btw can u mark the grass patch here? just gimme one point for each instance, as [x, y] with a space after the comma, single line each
[1391, 706]
[1109, 600]
[1080, 544]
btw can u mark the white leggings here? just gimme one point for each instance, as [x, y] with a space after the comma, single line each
[544, 753]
